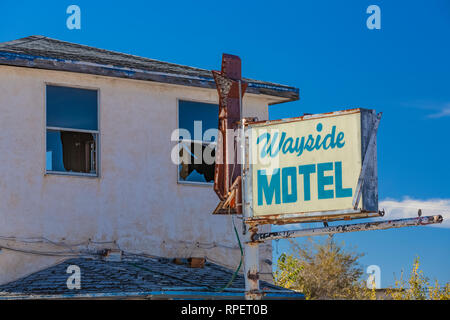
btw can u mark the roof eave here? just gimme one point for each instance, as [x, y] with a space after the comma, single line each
[283, 93]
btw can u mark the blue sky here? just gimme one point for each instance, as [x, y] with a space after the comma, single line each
[325, 49]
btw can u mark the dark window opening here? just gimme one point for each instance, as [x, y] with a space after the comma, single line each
[69, 151]
[192, 171]
[197, 153]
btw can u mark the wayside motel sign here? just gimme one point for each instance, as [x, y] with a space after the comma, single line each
[313, 168]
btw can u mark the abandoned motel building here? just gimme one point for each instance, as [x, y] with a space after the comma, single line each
[86, 178]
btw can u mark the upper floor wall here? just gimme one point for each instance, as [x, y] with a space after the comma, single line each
[135, 200]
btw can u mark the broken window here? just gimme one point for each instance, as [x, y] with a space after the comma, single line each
[197, 150]
[72, 130]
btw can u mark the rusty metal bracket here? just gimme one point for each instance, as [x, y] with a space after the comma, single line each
[229, 205]
[366, 226]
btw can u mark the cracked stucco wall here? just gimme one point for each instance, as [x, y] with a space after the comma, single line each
[136, 201]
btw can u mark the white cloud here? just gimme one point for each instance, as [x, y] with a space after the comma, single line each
[444, 112]
[436, 109]
[395, 209]
[408, 207]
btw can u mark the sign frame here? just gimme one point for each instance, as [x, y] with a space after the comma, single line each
[365, 193]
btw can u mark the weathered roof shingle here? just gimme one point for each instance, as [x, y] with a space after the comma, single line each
[134, 276]
[46, 53]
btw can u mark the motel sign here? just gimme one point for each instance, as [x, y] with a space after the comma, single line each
[309, 167]
[315, 168]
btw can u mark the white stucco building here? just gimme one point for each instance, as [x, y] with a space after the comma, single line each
[85, 149]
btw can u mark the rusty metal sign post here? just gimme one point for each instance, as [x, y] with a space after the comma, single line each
[227, 173]
[234, 186]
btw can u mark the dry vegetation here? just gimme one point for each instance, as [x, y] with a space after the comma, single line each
[327, 271]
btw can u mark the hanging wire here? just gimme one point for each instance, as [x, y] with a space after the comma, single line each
[240, 263]
[234, 225]
[52, 253]
[33, 240]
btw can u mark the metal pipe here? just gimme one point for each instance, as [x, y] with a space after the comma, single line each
[251, 249]
[242, 147]
[378, 225]
[251, 271]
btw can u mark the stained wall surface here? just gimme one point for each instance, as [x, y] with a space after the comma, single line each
[135, 204]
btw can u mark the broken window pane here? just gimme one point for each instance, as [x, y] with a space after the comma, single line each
[197, 153]
[193, 170]
[69, 151]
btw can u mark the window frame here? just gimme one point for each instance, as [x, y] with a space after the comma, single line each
[95, 133]
[192, 183]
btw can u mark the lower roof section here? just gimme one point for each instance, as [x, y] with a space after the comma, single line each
[136, 277]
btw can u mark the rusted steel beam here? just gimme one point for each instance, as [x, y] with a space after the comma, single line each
[231, 88]
[378, 225]
[308, 217]
[263, 123]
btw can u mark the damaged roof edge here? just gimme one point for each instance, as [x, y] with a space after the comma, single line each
[170, 294]
[40, 62]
